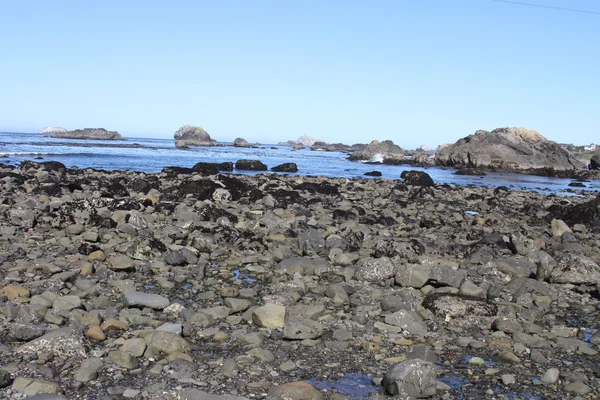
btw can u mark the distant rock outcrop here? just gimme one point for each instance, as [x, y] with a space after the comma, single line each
[189, 135]
[320, 146]
[52, 129]
[302, 140]
[240, 142]
[88, 134]
[379, 152]
[508, 149]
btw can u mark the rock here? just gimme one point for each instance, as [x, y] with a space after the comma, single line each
[412, 276]
[64, 341]
[250, 165]
[5, 378]
[514, 149]
[294, 391]
[189, 135]
[446, 276]
[88, 370]
[13, 292]
[196, 394]
[167, 342]
[96, 333]
[378, 151]
[51, 129]
[373, 173]
[577, 387]
[135, 346]
[468, 288]
[123, 359]
[269, 316]
[239, 142]
[26, 331]
[154, 301]
[416, 178]
[285, 167]
[298, 328]
[576, 269]
[120, 262]
[31, 387]
[551, 376]
[559, 227]
[88, 134]
[66, 303]
[377, 270]
[508, 379]
[414, 378]
[408, 321]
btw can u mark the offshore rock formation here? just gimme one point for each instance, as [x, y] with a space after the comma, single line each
[87, 134]
[508, 149]
[379, 151]
[52, 129]
[189, 135]
[240, 142]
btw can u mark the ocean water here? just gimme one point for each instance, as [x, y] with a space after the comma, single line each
[152, 155]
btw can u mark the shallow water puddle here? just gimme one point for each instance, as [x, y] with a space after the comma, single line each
[355, 386]
[238, 275]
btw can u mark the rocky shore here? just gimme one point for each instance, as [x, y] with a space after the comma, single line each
[199, 285]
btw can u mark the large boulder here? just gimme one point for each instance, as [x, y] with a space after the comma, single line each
[412, 378]
[87, 134]
[189, 135]
[511, 149]
[378, 152]
[240, 142]
[595, 161]
[250, 165]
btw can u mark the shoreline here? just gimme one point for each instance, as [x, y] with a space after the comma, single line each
[260, 283]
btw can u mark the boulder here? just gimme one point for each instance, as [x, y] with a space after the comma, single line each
[240, 142]
[416, 178]
[87, 134]
[285, 167]
[250, 165]
[378, 152]
[189, 135]
[512, 149]
[595, 161]
[412, 378]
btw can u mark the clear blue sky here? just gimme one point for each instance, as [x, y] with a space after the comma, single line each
[416, 72]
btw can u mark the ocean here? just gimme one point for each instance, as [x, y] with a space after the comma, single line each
[152, 155]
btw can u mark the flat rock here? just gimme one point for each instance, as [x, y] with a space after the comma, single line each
[31, 387]
[64, 341]
[135, 299]
[269, 316]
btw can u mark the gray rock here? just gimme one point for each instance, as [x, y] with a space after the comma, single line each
[176, 258]
[66, 303]
[376, 270]
[189, 135]
[412, 276]
[167, 342]
[31, 387]
[21, 331]
[551, 376]
[135, 346]
[195, 394]
[468, 288]
[299, 328]
[337, 294]
[414, 378]
[508, 379]
[135, 299]
[64, 341]
[120, 262]
[446, 276]
[423, 352]
[577, 387]
[408, 321]
[88, 370]
[237, 305]
[123, 359]
[240, 142]
[576, 269]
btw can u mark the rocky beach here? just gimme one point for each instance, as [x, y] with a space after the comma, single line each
[189, 284]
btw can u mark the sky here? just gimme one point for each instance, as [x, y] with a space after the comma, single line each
[420, 72]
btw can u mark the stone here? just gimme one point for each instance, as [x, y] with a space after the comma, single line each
[196, 394]
[75, 229]
[551, 376]
[97, 255]
[577, 387]
[13, 292]
[376, 270]
[26, 331]
[412, 276]
[559, 227]
[576, 269]
[240, 142]
[414, 378]
[66, 303]
[251, 165]
[135, 346]
[508, 379]
[120, 262]
[64, 341]
[294, 391]
[446, 276]
[31, 387]
[189, 135]
[167, 342]
[468, 288]
[377, 151]
[285, 167]
[123, 359]
[299, 328]
[408, 321]
[170, 327]
[269, 316]
[88, 134]
[337, 294]
[237, 305]
[416, 178]
[88, 370]
[154, 301]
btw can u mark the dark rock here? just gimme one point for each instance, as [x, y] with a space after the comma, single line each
[176, 258]
[250, 165]
[372, 173]
[88, 134]
[240, 142]
[416, 178]
[206, 168]
[177, 170]
[193, 136]
[286, 167]
[386, 150]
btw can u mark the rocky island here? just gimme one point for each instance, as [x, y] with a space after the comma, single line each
[189, 284]
[509, 150]
[87, 134]
[189, 135]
